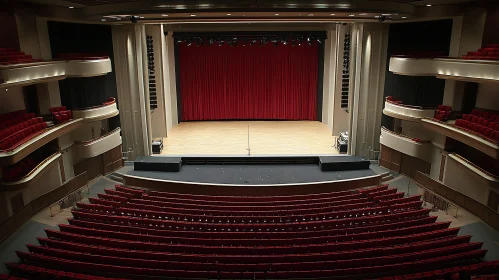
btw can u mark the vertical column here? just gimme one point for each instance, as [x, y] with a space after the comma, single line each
[171, 80]
[127, 50]
[370, 42]
[341, 117]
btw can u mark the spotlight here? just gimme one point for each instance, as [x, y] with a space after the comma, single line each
[381, 18]
[133, 19]
[189, 43]
[264, 41]
[309, 41]
[319, 41]
[220, 42]
[284, 42]
[210, 41]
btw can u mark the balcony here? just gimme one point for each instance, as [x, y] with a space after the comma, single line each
[20, 151]
[447, 68]
[96, 113]
[95, 147]
[489, 179]
[41, 72]
[473, 140]
[411, 146]
[406, 112]
[30, 178]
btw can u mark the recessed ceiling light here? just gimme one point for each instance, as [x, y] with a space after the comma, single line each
[386, 14]
[363, 14]
[102, 20]
[193, 15]
[429, 5]
[165, 15]
[310, 15]
[228, 14]
[376, 16]
[351, 15]
[71, 7]
[276, 14]
[404, 17]
[333, 14]
[142, 17]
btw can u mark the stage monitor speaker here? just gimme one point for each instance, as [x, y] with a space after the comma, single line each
[163, 164]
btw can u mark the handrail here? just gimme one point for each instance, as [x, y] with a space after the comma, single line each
[107, 103]
[476, 166]
[39, 165]
[99, 138]
[417, 140]
[409, 106]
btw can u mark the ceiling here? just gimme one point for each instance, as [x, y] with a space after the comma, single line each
[245, 11]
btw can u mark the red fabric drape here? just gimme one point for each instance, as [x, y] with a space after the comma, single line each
[248, 82]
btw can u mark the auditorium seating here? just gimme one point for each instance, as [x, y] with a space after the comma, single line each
[23, 167]
[443, 112]
[10, 56]
[488, 52]
[484, 123]
[17, 134]
[60, 114]
[135, 234]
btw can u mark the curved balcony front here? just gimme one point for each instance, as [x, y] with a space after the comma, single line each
[42, 72]
[470, 139]
[95, 147]
[30, 178]
[11, 156]
[97, 113]
[405, 112]
[490, 179]
[447, 68]
[414, 147]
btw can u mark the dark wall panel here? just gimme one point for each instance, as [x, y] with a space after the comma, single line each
[83, 38]
[8, 30]
[416, 37]
[491, 25]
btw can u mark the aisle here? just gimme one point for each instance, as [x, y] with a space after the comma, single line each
[265, 138]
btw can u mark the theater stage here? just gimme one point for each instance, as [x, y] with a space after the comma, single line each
[265, 138]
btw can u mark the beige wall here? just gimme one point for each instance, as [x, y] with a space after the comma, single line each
[464, 181]
[12, 99]
[488, 96]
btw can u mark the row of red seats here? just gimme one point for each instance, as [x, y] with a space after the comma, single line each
[11, 115]
[19, 126]
[491, 116]
[269, 218]
[6, 123]
[12, 56]
[311, 225]
[450, 273]
[210, 265]
[443, 112]
[255, 234]
[281, 241]
[20, 169]
[61, 114]
[22, 136]
[277, 257]
[488, 52]
[360, 267]
[41, 273]
[251, 250]
[7, 277]
[273, 199]
[256, 213]
[487, 132]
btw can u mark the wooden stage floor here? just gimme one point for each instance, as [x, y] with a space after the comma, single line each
[265, 138]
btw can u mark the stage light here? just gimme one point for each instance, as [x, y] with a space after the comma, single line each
[404, 17]
[189, 43]
[429, 5]
[133, 19]
[284, 42]
[71, 7]
[164, 15]
[319, 41]
[210, 41]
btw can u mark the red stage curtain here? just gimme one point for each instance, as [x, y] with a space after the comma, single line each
[248, 82]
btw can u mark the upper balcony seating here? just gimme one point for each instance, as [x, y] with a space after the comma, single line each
[443, 112]
[81, 56]
[12, 56]
[20, 169]
[480, 122]
[60, 114]
[488, 52]
[119, 236]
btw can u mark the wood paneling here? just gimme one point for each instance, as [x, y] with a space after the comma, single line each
[488, 215]
[101, 164]
[25, 213]
[260, 190]
[402, 163]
